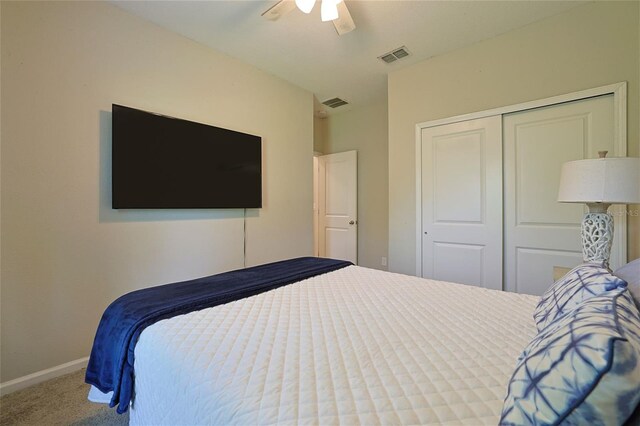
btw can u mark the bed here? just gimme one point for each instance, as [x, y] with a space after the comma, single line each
[351, 346]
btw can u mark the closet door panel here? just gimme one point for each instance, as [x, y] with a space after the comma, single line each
[541, 233]
[462, 202]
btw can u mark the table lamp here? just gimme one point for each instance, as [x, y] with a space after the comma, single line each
[599, 183]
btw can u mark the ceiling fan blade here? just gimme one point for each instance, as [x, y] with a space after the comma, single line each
[344, 24]
[278, 10]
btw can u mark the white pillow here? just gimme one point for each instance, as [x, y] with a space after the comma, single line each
[631, 274]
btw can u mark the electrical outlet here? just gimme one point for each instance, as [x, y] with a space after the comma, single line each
[383, 262]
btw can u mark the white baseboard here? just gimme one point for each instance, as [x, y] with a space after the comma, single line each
[42, 376]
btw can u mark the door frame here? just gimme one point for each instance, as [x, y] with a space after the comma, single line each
[619, 92]
[316, 210]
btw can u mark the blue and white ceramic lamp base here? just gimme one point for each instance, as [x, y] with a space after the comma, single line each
[597, 234]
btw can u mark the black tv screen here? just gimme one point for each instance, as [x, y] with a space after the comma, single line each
[161, 162]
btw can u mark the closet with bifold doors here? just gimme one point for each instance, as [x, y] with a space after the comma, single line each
[487, 184]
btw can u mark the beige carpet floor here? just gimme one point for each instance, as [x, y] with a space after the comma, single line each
[60, 401]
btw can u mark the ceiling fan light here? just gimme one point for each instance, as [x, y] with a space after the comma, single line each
[305, 5]
[329, 10]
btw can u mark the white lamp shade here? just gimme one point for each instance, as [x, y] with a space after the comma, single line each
[600, 180]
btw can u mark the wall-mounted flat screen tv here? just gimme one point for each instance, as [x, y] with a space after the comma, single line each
[161, 162]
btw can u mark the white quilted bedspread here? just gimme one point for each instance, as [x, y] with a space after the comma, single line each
[355, 346]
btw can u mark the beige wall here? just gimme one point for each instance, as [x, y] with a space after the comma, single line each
[365, 130]
[589, 46]
[319, 134]
[65, 253]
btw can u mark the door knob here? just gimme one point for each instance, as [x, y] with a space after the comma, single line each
[351, 222]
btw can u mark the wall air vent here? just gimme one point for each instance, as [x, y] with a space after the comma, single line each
[394, 55]
[335, 102]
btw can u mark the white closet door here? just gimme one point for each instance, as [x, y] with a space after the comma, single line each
[541, 233]
[462, 202]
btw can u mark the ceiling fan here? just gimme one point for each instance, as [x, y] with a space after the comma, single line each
[330, 10]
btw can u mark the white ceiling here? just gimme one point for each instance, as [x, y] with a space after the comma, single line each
[307, 52]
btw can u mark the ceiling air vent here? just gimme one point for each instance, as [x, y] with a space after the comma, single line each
[394, 55]
[335, 102]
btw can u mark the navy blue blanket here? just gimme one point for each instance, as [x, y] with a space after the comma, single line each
[111, 363]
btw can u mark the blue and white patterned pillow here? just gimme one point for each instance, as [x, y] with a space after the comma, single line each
[582, 369]
[581, 283]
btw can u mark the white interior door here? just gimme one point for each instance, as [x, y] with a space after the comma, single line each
[462, 202]
[316, 247]
[338, 206]
[540, 233]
